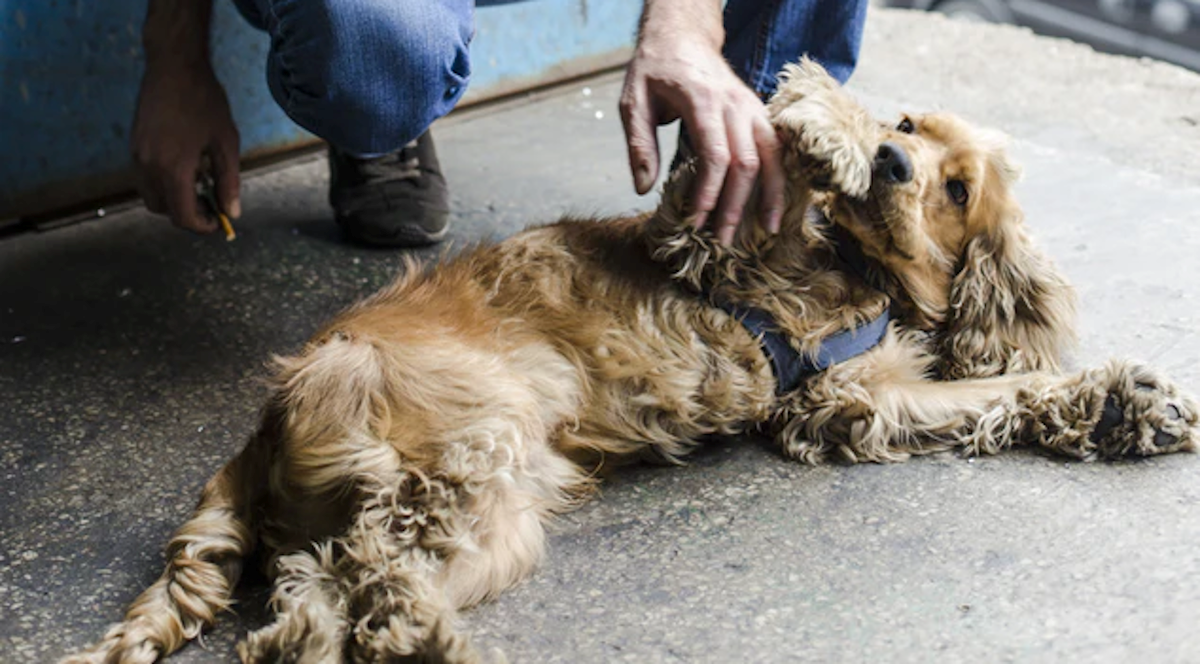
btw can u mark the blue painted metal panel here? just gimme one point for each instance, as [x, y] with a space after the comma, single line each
[526, 39]
[69, 71]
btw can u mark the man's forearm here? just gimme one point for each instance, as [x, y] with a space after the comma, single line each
[177, 30]
[687, 19]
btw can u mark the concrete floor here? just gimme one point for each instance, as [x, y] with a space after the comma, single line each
[131, 353]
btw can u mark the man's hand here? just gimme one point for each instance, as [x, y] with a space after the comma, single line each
[183, 116]
[678, 72]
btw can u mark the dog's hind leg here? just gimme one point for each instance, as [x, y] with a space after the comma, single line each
[509, 513]
[204, 560]
[311, 622]
[422, 549]
[389, 563]
[434, 452]
[372, 594]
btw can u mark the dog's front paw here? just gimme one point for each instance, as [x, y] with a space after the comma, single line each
[826, 127]
[839, 167]
[1143, 414]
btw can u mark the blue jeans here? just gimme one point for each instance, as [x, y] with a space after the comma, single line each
[368, 76]
[761, 36]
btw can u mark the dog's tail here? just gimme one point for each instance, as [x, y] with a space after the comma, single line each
[204, 560]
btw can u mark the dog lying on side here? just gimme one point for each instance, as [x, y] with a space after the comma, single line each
[409, 458]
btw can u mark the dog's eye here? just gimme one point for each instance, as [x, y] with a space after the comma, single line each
[957, 191]
[906, 126]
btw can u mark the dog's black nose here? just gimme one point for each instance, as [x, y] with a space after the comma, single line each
[892, 165]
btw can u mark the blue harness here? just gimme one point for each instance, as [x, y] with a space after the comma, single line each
[791, 367]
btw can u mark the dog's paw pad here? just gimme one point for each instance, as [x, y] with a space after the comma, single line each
[1109, 419]
[1163, 439]
[1151, 418]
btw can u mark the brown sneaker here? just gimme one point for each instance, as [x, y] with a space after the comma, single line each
[399, 199]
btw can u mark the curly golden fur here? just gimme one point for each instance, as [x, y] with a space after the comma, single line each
[410, 456]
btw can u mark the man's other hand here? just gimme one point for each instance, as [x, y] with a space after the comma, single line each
[182, 116]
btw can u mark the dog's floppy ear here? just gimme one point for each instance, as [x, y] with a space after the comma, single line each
[1010, 308]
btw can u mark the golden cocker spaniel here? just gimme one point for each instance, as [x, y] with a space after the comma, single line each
[409, 457]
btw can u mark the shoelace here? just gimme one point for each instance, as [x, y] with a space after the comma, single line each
[402, 164]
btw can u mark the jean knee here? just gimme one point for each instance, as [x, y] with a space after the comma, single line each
[368, 75]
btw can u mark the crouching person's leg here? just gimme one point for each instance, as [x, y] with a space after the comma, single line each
[369, 77]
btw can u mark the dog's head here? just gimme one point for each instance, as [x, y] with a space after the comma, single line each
[929, 198]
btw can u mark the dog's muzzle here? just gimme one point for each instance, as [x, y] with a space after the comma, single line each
[892, 165]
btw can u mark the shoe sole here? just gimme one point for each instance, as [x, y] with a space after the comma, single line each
[405, 236]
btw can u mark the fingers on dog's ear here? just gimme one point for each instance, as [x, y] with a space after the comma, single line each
[744, 166]
[708, 133]
[772, 178]
[641, 136]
